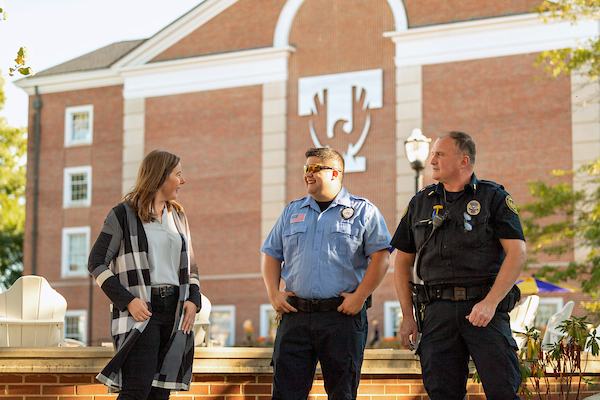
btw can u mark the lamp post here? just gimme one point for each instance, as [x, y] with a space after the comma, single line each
[417, 152]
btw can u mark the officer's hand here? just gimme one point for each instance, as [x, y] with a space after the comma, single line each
[409, 332]
[352, 304]
[139, 309]
[189, 309]
[482, 313]
[280, 304]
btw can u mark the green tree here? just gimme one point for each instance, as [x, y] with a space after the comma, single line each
[586, 56]
[561, 217]
[13, 151]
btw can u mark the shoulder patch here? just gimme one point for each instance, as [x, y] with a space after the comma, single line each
[511, 204]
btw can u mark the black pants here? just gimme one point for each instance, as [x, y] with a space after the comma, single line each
[336, 340]
[449, 339]
[143, 359]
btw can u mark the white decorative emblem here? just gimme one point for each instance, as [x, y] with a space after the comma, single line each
[339, 106]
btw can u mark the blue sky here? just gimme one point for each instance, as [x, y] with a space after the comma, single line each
[55, 31]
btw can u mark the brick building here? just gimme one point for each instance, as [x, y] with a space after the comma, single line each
[239, 89]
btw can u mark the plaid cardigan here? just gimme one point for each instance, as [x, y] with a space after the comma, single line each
[119, 264]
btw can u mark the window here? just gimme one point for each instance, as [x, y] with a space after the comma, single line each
[392, 317]
[75, 325]
[268, 323]
[75, 251]
[79, 122]
[548, 307]
[77, 189]
[222, 325]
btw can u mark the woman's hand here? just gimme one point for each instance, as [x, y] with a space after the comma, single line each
[189, 316]
[139, 310]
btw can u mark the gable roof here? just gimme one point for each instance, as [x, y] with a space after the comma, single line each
[104, 57]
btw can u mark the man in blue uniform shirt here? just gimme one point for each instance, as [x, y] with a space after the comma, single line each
[335, 251]
[467, 239]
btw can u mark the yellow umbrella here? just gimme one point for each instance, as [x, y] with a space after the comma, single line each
[540, 285]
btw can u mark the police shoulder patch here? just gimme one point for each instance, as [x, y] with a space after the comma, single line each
[511, 204]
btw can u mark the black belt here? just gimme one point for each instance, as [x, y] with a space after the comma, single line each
[307, 305]
[457, 293]
[165, 291]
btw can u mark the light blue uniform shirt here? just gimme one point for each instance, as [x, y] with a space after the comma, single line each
[323, 253]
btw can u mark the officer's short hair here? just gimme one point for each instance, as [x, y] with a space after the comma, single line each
[464, 143]
[327, 154]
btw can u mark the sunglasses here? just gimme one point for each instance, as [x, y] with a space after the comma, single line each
[314, 168]
[467, 223]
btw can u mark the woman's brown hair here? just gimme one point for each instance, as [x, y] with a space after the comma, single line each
[154, 171]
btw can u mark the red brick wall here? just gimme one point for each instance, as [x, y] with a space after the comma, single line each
[105, 157]
[246, 24]
[225, 387]
[430, 12]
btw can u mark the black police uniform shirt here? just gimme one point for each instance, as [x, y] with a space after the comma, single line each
[465, 249]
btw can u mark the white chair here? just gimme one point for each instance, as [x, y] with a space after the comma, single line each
[202, 324]
[32, 314]
[522, 317]
[552, 334]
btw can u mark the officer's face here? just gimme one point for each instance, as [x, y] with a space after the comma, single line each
[445, 160]
[323, 185]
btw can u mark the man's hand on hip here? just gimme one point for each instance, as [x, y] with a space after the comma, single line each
[280, 304]
[352, 304]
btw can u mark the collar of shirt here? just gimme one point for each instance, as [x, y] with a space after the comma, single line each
[342, 198]
[470, 187]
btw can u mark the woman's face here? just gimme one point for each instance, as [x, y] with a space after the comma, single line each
[168, 190]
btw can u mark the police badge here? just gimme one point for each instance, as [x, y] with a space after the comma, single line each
[347, 213]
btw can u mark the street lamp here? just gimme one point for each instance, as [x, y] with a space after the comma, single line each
[417, 151]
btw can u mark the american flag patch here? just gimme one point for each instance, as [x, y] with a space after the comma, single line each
[297, 218]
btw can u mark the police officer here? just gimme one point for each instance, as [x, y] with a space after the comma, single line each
[334, 250]
[469, 245]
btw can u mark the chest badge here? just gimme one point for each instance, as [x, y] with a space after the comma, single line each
[473, 208]
[347, 213]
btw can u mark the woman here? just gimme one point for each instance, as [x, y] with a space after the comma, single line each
[143, 260]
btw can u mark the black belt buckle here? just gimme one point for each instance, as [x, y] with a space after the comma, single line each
[164, 291]
[460, 293]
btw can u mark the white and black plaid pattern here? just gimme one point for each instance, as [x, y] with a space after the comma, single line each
[119, 264]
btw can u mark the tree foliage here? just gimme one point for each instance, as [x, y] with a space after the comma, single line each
[561, 217]
[13, 147]
[586, 56]
[23, 55]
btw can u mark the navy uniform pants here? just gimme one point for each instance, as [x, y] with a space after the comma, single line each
[449, 339]
[142, 361]
[334, 339]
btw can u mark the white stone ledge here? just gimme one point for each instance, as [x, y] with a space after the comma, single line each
[206, 360]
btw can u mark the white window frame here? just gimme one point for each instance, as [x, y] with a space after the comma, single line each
[558, 301]
[264, 320]
[69, 111]
[66, 232]
[68, 172]
[78, 313]
[388, 317]
[226, 308]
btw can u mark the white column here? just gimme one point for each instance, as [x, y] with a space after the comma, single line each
[585, 130]
[409, 115]
[274, 127]
[133, 140]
